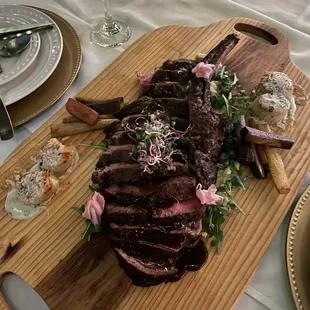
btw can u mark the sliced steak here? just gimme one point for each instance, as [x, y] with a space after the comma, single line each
[122, 172]
[149, 252]
[126, 214]
[144, 274]
[187, 210]
[218, 53]
[121, 138]
[181, 76]
[181, 124]
[171, 106]
[168, 90]
[114, 154]
[169, 236]
[179, 64]
[129, 192]
[178, 189]
[114, 127]
[134, 119]
[115, 173]
[180, 170]
[155, 220]
[206, 169]
[206, 135]
[204, 120]
[136, 107]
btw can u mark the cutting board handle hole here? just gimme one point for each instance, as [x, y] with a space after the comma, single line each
[256, 33]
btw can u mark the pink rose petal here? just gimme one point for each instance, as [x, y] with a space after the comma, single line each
[146, 80]
[94, 208]
[208, 197]
[203, 70]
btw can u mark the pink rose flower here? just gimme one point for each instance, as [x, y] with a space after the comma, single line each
[94, 208]
[146, 80]
[203, 70]
[208, 196]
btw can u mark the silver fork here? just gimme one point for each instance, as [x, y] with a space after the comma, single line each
[6, 127]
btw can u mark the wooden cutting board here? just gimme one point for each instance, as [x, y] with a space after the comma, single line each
[69, 273]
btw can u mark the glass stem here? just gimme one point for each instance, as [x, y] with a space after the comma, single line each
[108, 16]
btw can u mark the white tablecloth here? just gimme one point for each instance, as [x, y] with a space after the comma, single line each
[269, 288]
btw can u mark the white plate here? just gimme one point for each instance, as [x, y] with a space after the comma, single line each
[46, 61]
[14, 66]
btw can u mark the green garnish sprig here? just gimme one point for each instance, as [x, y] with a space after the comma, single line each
[103, 145]
[90, 227]
[227, 99]
[232, 104]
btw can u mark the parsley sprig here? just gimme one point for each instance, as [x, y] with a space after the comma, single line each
[231, 104]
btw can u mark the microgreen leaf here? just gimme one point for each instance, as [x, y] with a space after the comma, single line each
[93, 188]
[79, 210]
[158, 143]
[103, 145]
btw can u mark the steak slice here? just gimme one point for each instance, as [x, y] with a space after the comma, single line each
[218, 53]
[134, 118]
[179, 64]
[129, 193]
[115, 173]
[123, 172]
[148, 252]
[114, 127]
[206, 135]
[141, 273]
[187, 210]
[136, 107]
[181, 76]
[171, 106]
[204, 120]
[169, 236]
[177, 188]
[181, 124]
[126, 214]
[121, 138]
[167, 90]
[114, 154]
[206, 169]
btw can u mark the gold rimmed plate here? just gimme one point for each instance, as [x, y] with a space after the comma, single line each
[298, 251]
[57, 84]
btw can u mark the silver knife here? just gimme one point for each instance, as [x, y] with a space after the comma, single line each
[10, 30]
[6, 128]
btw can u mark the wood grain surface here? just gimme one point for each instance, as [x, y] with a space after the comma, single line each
[69, 273]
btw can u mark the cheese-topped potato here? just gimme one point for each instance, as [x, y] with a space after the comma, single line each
[36, 187]
[276, 103]
[276, 83]
[270, 109]
[56, 157]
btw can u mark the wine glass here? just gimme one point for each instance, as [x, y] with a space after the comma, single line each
[110, 32]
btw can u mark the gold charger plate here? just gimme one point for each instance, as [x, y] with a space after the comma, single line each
[65, 73]
[298, 251]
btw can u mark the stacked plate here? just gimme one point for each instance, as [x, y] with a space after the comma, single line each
[23, 75]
